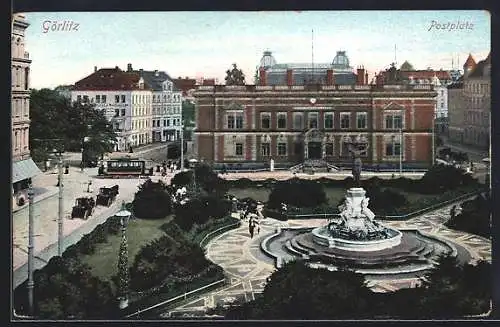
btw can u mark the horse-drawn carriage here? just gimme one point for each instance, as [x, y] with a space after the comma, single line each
[83, 208]
[107, 195]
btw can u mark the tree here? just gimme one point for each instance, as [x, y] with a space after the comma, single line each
[297, 291]
[53, 116]
[298, 193]
[152, 201]
[188, 113]
[66, 288]
[474, 217]
[235, 76]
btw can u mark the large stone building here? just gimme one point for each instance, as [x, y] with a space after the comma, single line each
[23, 167]
[126, 101]
[470, 105]
[166, 105]
[293, 123]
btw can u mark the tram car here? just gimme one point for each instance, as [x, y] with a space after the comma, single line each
[125, 167]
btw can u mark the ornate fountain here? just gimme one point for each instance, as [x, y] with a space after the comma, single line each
[356, 228]
[356, 240]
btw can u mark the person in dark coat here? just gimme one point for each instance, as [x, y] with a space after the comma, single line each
[251, 226]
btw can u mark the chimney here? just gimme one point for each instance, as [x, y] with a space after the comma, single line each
[129, 67]
[366, 78]
[329, 77]
[289, 77]
[262, 77]
[361, 76]
[140, 71]
[95, 69]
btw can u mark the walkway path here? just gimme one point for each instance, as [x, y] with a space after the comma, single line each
[247, 268]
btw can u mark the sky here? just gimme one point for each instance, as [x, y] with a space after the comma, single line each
[206, 44]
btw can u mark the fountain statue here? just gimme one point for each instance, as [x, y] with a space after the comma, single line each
[356, 147]
[356, 227]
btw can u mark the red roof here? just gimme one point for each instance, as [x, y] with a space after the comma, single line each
[108, 79]
[209, 82]
[470, 62]
[185, 84]
[426, 74]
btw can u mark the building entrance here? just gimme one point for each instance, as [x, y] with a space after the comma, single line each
[314, 150]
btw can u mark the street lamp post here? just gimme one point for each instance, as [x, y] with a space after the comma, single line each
[60, 238]
[85, 139]
[31, 246]
[401, 152]
[182, 146]
[123, 272]
[433, 139]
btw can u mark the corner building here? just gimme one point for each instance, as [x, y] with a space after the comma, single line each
[295, 123]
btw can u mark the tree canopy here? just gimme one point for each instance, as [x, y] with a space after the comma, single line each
[235, 76]
[53, 116]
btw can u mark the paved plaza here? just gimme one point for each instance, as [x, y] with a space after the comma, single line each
[46, 213]
[247, 268]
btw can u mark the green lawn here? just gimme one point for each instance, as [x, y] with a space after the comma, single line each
[104, 261]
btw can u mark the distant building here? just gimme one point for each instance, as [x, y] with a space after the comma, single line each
[270, 72]
[64, 90]
[23, 167]
[470, 105]
[126, 100]
[166, 105]
[186, 85]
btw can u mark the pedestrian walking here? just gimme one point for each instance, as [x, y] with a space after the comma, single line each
[251, 227]
[453, 212]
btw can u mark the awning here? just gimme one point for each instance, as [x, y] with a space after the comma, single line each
[24, 169]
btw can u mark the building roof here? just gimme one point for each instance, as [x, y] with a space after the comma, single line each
[406, 66]
[155, 79]
[108, 79]
[185, 84]
[426, 74]
[479, 69]
[470, 62]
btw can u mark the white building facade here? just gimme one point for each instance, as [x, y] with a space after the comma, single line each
[166, 105]
[126, 101]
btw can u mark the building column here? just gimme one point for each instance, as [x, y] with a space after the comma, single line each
[413, 147]
[253, 114]
[323, 148]
[216, 147]
[412, 114]
[254, 147]
[216, 123]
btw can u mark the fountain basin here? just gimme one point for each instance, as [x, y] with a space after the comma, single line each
[322, 237]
